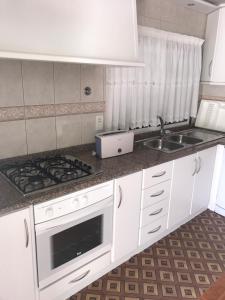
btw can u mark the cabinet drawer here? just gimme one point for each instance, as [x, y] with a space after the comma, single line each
[76, 280]
[156, 193]
[154, 212]
[157, 174]
[152, 230]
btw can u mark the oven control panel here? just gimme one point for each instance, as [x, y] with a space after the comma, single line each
[67, 204]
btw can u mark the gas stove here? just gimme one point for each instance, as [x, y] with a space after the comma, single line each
[41, 173]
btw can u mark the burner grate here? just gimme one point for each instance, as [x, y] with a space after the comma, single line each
[41, 173]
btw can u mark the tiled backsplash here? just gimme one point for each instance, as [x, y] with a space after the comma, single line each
[43, 105]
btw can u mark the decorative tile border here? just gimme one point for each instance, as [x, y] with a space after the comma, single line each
[43, 111]
[79, 108]
[39, 111]
[12, 113]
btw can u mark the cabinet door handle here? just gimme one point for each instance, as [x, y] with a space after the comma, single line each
[80, 277]
[26, 233]
[159, 174]
[155, 230]
[210, 68]
[156, 212]
[199, 165]
[157, 194]
[196, 164]
[121, 197]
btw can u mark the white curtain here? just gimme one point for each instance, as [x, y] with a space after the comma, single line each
[168, 85]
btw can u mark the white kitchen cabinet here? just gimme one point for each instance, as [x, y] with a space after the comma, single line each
[182, 189]
[127, 206]
[191, 185]
[213, 70]
[203, 179]
[83, 31]
[16, 257]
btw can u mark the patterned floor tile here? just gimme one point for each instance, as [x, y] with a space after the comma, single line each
[183, 265]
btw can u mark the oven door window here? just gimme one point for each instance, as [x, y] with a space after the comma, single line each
[77, 240]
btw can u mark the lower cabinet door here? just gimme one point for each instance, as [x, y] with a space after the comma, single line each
[203, 180]
[127, 207]
[16, 257]
[182, 189]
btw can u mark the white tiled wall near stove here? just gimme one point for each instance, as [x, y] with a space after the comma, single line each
[39, 85]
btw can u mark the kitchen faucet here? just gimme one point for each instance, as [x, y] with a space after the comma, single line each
[162, 124]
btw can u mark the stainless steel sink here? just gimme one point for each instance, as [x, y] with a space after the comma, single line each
[163, 145]
[183, 139]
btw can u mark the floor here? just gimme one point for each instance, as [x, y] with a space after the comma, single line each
[181, 266]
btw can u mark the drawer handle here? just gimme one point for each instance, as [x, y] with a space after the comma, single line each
[156, 212]
[155, 230]
[80, 277]
[158, 194]
[159, 174]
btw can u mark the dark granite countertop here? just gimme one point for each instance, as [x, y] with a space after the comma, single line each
[115, 167]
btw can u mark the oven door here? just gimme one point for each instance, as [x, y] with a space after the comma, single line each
[69, 242]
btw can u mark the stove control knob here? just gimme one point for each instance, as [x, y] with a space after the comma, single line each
[49, 212]
[75, 202]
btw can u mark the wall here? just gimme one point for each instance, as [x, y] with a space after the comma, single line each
[43, 105]
[214, 92]
[170, 16]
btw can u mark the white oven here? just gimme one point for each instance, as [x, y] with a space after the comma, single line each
[72, 231]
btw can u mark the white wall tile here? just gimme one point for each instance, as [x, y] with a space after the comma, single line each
[67, 82]
[68, 129]
[12, 139]
[41, 134]
[11, 91]
[149, 22]
[89, 127]
[38, 82]
[93, 77]
[152, 8]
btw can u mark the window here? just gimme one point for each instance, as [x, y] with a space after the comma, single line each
[168, 85]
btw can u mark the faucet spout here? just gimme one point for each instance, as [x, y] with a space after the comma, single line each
[162, 124]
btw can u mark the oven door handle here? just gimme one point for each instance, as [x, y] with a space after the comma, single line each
[73, 217]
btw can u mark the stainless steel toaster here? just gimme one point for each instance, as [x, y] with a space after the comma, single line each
[113, 143]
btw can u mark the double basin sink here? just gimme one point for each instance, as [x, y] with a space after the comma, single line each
[180, 140]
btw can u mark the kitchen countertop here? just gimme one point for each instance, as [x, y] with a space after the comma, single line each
[142, 157]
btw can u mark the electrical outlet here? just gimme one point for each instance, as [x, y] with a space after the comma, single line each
[99, 122]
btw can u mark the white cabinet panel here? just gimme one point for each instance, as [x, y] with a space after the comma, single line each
[76, 280]
[182, 189]
[91, 29]
[150, 232]
[157, 174]
[156, 193]
[203, 179]
[16, 260]
[214, 48]
[127, 206]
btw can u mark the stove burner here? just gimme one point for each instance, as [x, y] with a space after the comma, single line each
[38, 174]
